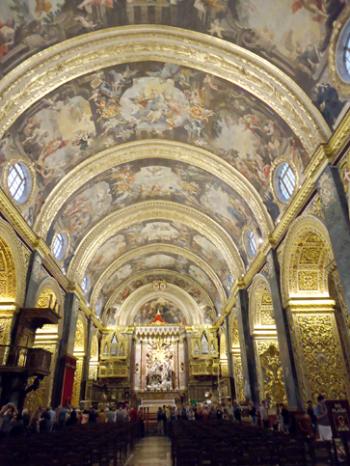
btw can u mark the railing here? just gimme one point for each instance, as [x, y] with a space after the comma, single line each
[35, 360]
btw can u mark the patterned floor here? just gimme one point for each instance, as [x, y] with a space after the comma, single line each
[153, 451]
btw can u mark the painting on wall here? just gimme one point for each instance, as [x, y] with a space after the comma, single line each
[142, 101]
[292, 34]
[168, 311]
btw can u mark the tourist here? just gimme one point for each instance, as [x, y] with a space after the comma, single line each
[324, 427]
[160, 423]
[51, 419]
[311, 412]
[7, 413]
[285, 417]
[237, 412]
[263, 414]
[253, 413]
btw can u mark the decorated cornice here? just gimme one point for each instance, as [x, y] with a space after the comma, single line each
[40, 74]
[181, 298]
[154, 249]
[150, 149]
[168, 275]
[149, 210]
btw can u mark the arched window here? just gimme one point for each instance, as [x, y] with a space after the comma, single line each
[284, 181]
[346, 53]
[85, 284]
[58, 246]
[343, 53]
[205, 344]
[250, 241]
[114, 346]
[19, 182]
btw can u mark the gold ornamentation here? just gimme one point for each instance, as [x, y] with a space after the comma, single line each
[238, 376]
[77, 382]
[272, 384]
[56, 65]
[321, 361]
[306, 255]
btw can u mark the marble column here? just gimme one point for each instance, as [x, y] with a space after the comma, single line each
[336, 213]
[251, 388]
[229, 357]
[287, 354]
[66, 347]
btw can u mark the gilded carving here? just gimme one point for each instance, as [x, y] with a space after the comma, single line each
[321, 356]
[238, 376]
[77, 382]
[272, 384]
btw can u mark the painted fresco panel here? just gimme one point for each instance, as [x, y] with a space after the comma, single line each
[148, 232]
[149, 100]
[293, 34]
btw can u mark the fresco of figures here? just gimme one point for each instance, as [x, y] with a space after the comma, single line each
[110, 315]
[168, 311]
[149, 232]
[142, 101]
[152, 179]
[293, 34]
[159, 260]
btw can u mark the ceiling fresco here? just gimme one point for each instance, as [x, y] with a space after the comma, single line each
[292, 34]
[148, 100]
[169, 312]
[185, 283]
[148, 232]
[152, 179]
[153, 261]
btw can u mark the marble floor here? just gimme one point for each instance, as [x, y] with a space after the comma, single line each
[155, 451]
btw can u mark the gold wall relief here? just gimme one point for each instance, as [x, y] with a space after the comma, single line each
[79, 353]
[320, 355]
[270, 372]
[77, 381]
[238, 375]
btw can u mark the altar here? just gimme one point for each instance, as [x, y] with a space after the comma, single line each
[159, 362]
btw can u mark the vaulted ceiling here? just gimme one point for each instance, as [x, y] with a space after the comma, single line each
[152, 130]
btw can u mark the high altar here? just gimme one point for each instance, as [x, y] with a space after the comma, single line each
[159, 360]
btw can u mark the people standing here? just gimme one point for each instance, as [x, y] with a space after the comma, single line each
[324, 426]
[311, 412]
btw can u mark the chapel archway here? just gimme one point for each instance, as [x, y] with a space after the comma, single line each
[264, 335]
[317, 345]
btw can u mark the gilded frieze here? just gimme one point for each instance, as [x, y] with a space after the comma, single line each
[321, 360]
